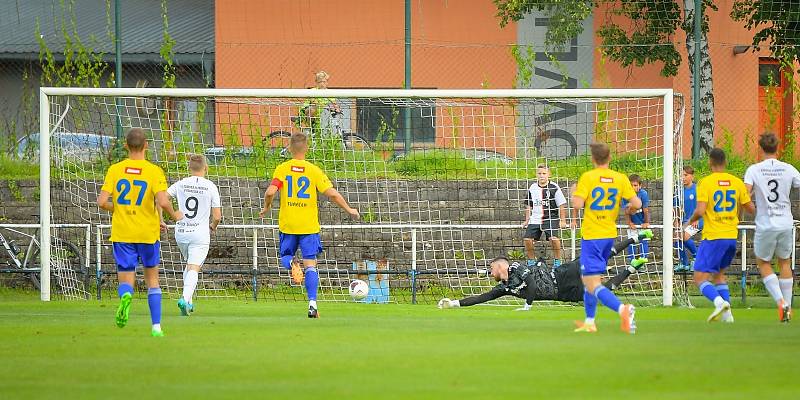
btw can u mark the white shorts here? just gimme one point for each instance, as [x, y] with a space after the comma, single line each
[768, 244]
[194, 253]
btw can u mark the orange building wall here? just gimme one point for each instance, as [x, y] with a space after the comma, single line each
[735, 78]
[282, 43]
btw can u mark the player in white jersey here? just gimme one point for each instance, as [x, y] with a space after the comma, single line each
[198, 198]
[545, 215]
[770, 183]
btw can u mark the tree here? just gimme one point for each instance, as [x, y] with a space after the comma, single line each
[646, 37]
[778, 23]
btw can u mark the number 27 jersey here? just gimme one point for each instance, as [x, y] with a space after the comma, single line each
[603, 190]
[133, 185]
[298, 182]
[723, 194]
[196, 196]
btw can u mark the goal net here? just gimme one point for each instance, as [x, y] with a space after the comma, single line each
[441, 179]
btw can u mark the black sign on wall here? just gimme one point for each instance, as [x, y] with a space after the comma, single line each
[376, 116]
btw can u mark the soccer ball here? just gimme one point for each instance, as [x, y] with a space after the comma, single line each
[358, 289]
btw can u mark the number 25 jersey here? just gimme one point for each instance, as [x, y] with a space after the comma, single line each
[133, 185]
[603, 190]
[723, 194]
[298, 182]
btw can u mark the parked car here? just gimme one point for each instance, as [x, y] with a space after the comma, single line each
[67, 146]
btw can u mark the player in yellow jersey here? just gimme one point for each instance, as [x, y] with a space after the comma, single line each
[720, 198]
[599, 193]
[131, 189]
[298, 219]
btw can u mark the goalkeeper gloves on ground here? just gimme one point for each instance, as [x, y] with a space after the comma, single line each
[447, 303]
[526, 307]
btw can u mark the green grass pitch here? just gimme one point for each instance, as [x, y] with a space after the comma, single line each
[232, 349]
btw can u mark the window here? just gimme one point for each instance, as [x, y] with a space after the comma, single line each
[381, 118]
[769, 74]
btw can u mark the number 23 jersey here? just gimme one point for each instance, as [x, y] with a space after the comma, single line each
[133, 185]
[602, 189]
[298, 182]
[723, 194]
[196, 196]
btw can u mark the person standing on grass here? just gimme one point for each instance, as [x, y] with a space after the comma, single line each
[599, 193]
[198, 199]
[545, 214]
[686, 245]
[298, 219]
[639, 219]
[133, 191]
[720, 198]
[770, 183]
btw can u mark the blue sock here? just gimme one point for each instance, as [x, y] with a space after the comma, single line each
[645, 247]
[682, 252]
[311, 282]
[154, 301]
[589, 304]
[723, 291]
[124, 288]
[631, 252]
[708, 290]
[689, 245]
[607, 298]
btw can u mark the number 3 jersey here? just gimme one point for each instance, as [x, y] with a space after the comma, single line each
[196, 196]
[723, 194]
[298, 182]
[603, 189]
[772, 181]
[133, 185]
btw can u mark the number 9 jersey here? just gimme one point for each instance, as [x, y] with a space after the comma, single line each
[603, 190]
[133, 185]
[298, 182]
[723, 194]
[196, 197]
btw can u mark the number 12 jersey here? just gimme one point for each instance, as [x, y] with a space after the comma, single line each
[196, 196]
[298, 182]
[772, 181]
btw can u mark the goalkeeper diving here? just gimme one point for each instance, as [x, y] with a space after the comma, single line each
[541, 282]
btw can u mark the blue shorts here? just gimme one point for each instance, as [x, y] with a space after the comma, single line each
[715, 255]
[128, 255]
[594, 255]
[309, 244]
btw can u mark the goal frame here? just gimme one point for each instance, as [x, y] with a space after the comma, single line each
[668, 139]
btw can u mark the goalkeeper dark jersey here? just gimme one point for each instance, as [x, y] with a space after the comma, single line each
[531, 283]
[537, 282]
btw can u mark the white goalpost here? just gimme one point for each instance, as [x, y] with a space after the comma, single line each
[439, 176]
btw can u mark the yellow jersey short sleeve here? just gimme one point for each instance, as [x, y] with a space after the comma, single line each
[299, 181]
[723, 194]
[133, 185]
[603, 190]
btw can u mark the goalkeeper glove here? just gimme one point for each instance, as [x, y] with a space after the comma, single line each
[526, 307]
[447, 303]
